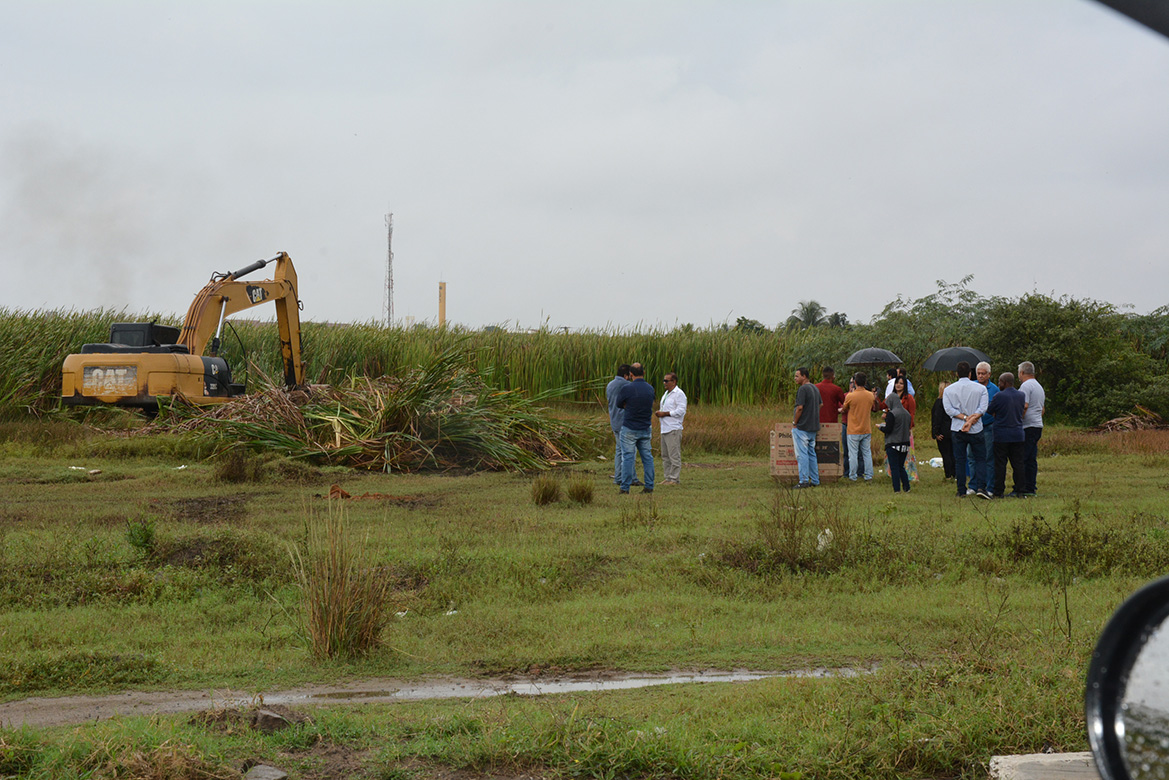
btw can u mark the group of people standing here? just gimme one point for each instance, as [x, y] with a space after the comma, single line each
[827, 402]
[979, 427]
[982, 426]
[631, 413]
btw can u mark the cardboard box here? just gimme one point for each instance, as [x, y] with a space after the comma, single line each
[829, 456]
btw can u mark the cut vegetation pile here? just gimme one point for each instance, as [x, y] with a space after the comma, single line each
[1140, 419]
[441, 415]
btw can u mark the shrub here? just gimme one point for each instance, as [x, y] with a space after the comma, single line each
[238, 465]
[799, 531]
[345, 598]
[545, 490]
[140, 534]
[580, 489]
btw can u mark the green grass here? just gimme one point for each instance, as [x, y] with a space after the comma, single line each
[980, 617]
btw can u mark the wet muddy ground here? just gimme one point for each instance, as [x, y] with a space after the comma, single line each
[39, 712]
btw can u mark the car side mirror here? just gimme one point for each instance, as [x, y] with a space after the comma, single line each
[1126, 700]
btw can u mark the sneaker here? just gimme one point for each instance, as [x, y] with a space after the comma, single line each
[623, 492]
[799, 485]
[647, 490]
[982, 494]
[636, 483]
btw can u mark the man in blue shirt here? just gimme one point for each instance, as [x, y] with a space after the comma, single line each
[617, 417]
[637, 399]
[1007, 408]
[982, 373]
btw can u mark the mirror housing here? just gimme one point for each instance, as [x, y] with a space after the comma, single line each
[1117, 651]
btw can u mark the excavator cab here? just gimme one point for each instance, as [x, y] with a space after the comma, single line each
[139, 337]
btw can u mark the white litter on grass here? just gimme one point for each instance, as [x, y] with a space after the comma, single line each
[179, 468]
[824, 540]
[452, 612]
[402, 614]
[77, 468]
[936, 462]
[93, 472]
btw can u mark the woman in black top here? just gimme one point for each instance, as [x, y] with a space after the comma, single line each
[940, 428]
[896, 429]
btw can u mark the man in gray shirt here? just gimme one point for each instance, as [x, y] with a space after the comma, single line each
[805, 426]
[1034, 405]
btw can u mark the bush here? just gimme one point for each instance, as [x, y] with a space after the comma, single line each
[238, 465]
[545, 490]
[580, 489]
[345, 598]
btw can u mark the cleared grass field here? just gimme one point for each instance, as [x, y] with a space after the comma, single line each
[166, 569]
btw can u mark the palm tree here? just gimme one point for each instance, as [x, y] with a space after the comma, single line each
[808, 314]
[837, 320]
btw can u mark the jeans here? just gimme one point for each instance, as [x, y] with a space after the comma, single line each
[805, 447]
[860, 453]
[975, 442]
[618, 461]
[632, 440]
[895, 460]
[1031, 438]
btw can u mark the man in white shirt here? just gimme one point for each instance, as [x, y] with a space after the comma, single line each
[1034, 405]
[965, 402]
[671, 412]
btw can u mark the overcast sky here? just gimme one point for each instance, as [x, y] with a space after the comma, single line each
[582, 164]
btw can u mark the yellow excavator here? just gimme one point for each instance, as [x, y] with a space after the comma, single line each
[145, 361]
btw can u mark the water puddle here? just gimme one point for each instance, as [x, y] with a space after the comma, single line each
[452, 689]
[42, 712]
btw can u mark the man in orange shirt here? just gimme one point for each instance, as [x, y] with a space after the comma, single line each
[858, 405]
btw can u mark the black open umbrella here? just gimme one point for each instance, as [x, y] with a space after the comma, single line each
[948, 359]
[873, 356]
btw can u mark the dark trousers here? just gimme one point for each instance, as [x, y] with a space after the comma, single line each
[946, 447]
[844, 448]
[978, 448]
[1004, 451]
[895, 460]
[1031, 438]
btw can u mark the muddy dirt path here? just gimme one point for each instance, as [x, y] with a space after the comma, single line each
[40, 712]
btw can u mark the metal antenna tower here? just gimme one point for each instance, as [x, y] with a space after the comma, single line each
[389, 307]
